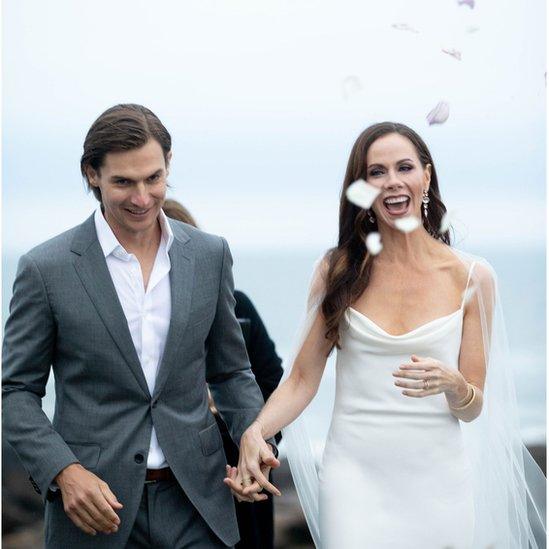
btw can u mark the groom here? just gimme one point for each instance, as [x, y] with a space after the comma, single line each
[135, 314]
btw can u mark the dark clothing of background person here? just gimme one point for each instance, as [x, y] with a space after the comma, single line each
[255, 520]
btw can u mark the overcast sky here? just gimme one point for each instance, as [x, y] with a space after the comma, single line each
[264, 101]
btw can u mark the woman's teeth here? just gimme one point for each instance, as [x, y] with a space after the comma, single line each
[397, 204]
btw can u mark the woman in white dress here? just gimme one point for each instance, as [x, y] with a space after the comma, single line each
[415, 331]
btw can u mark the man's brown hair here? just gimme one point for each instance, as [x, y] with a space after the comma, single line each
[121, 128]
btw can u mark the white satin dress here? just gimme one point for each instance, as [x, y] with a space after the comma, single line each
[394, 473]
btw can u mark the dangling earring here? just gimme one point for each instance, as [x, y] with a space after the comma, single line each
[371, 217]
[425, 201]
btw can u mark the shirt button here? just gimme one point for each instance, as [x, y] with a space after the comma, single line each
[138, 458]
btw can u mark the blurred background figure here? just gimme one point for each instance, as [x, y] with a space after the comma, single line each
[255, 520]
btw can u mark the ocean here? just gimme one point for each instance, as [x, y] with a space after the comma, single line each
[277, 283]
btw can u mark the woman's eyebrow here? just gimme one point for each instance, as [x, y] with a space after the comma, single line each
[398, 162]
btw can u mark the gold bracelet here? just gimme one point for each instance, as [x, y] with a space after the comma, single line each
[468, 400]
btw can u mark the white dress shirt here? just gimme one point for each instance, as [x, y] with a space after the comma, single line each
[147, 311]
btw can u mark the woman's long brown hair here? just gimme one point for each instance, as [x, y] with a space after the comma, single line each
[349, 263]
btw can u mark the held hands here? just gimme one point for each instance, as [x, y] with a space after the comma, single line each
[426, 376]
[255, 462]
[88, 501]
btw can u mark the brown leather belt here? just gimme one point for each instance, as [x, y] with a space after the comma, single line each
[155, 475]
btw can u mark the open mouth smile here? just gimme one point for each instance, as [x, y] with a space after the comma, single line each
[397, 205]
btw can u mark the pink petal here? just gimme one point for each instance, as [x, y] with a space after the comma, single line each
[439, 114]
[454, 53]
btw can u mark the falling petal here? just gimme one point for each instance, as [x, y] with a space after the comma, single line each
[407, 224]
[404, 27]
[470, 3]
[439, 114]
[472, 29]
[453, 53]
[351, 85]
[362, 193]
[468, 293]
[446, 221]
[373, 243]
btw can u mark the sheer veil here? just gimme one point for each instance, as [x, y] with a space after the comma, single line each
[509, 487]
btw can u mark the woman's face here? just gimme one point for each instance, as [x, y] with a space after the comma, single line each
[392, 165]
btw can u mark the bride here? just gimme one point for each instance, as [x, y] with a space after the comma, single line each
[423, 449]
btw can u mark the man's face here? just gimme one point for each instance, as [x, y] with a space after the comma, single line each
[133, 188]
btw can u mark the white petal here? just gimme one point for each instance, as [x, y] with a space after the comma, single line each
[468, 293]
[470, 3]
[407, 224]
[439, 114]
[454, 53]
[446, 221]
[373, 243]
[362, 193]
[350, 86]
[404, 27]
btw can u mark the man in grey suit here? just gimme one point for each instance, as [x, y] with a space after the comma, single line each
[135, 315]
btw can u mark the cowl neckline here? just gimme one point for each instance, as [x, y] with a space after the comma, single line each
[414, 331]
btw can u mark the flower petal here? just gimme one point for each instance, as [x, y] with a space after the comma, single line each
[407, 224]
[446, 221]
[373, 243]
[470, 3]
[404, 27]
[350, 86]
[362, 193]
[439, 114]
[454, 53]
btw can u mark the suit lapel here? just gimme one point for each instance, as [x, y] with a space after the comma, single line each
[181, 286]
[93, 272]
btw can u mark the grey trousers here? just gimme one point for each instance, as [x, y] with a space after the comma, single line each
[167, 519]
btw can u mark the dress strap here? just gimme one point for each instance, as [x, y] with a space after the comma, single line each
[467, 286]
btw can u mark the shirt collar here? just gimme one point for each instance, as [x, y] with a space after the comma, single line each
[109, 243]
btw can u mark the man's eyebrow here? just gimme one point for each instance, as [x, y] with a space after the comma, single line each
[382, 166]
[115, 177]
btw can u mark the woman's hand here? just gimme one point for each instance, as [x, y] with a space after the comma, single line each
[426, 376]
[255, 461]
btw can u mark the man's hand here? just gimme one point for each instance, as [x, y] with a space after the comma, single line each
[88, 501]
[255, 462]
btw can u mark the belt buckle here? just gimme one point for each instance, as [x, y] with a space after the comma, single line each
[150, 481]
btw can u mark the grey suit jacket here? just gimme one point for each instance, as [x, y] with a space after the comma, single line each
[65, 315]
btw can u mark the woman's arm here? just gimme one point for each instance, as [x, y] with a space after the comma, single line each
[475, 345]
[285, 404]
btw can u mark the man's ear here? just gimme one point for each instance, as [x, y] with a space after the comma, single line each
[168, 160]
[92, 176]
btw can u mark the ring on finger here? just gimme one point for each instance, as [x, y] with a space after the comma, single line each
[246, 481]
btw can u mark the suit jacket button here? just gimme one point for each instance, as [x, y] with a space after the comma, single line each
[138, 458]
